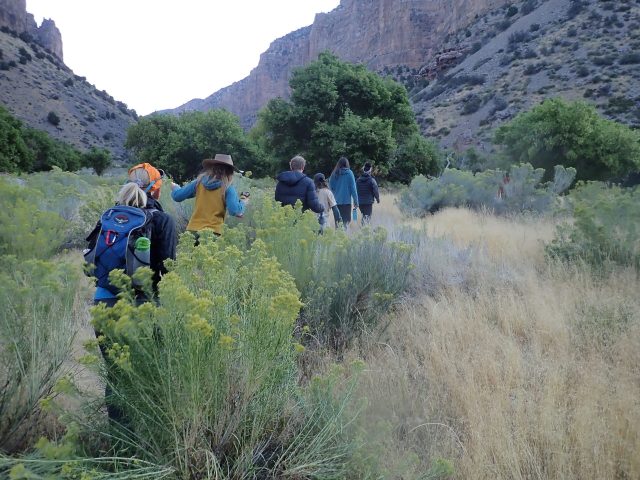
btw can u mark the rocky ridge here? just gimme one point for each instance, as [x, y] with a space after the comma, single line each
[15, 18]
[378, 33]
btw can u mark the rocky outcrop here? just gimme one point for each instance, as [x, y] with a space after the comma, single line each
[14, 16]
[378, 33]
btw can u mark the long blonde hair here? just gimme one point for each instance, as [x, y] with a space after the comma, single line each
[131, 194]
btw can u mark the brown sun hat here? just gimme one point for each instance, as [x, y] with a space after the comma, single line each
[220, 158]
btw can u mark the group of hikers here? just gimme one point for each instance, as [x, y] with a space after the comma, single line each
[137, 232]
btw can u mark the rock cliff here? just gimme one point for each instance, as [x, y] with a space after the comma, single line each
[378, 33]
[14, 16]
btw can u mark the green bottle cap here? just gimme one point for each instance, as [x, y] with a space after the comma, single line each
[143, 244]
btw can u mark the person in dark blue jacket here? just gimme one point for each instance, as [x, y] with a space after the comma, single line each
[343, 185]
[367, 192]
[294, 185]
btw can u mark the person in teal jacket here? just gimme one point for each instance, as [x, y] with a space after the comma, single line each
[343, 185]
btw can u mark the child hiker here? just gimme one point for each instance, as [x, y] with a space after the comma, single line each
[327, 200]
[367, 188]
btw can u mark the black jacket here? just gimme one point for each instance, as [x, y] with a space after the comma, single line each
[367, 188]
[294, 186]
[164, 238]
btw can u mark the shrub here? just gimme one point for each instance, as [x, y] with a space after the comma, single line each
[511, 11]
[630, 58]
[37, 326]
[207, 379]
[529, 6]
[534, 27]
[68, 82]
[53, 119]
[582, 71]
[472, 104]
[605, 226]
[455, 188]
[520, 36]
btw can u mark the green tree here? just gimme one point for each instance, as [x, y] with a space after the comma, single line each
[338, 108]
[48, 151]
[179, 144]
[572, 134]
[15, 156]
[97, 158]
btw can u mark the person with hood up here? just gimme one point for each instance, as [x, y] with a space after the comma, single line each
[294, 185]
[343, 185]
[214, 193]
[367, 192]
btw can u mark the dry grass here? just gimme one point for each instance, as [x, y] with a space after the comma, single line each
[535, 379]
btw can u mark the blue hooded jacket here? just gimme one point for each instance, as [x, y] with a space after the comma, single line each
[293, 186]
[343, 186]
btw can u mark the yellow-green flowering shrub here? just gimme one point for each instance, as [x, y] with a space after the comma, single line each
[207, 377]
[347, 282]
[36, 330]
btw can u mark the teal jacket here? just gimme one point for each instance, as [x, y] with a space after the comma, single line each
[343, 186]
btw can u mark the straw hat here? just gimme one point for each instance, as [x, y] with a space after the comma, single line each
[220, 158]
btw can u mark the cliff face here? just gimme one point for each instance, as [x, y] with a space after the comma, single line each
[14, 16]
[378, 33]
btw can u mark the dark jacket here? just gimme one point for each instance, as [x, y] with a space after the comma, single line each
[367, 189]
[164, 238]
[293, 186]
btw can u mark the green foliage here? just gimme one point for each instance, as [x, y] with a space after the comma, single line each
[179, 144]
[97, 158]
[346, 283]
[25, 230]
[336, 109]
[207, 378]
[574, 135]
[36, 329]
[455, 188]
[53, 119]
[24, 149]
[605, 227]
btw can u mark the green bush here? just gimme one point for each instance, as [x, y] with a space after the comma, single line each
[487, 189]
[605, 227]
[37, 326]
[207, 378]
[53, 119]
[346, 283]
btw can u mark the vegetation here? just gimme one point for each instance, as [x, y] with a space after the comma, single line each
[604, 229]
[24, 149]
[179, 144]
[517, 190]
[336, 109]
[573, 135]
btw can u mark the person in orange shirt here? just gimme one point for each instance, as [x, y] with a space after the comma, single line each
[214, 194]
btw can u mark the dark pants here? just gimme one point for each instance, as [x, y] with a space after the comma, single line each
[345, 213]
[366, 210]
[113, 411]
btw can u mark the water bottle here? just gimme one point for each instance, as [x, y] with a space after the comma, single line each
[141, 254]
[354, 215]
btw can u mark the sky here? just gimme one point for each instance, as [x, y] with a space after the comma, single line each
[159, 54]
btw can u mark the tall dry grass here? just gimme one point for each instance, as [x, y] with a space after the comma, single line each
[537, 377]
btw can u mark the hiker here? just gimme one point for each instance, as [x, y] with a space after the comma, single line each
[141, 191]
[343, 186]
[215, 195]
[293, 185]
[367, 188]
[328, 201]
[110, 247]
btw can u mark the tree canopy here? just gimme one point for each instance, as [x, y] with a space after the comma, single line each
[339, 108]
[24, 149]
[178, 144]
[572, 134]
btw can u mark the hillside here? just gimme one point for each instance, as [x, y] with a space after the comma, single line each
[574, 50]
[468, 65]
[35, 82]
[378, 33]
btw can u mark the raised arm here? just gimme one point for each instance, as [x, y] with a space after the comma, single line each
[182, 193]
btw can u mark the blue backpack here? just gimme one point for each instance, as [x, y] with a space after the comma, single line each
[120, 227]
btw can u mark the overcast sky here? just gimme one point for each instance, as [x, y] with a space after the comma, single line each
[157, 54]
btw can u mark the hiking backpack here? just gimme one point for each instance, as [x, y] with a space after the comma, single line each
[120, 227]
